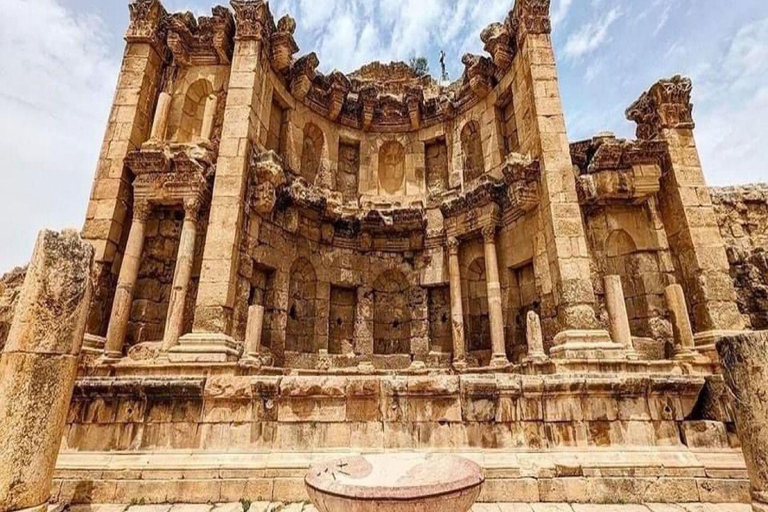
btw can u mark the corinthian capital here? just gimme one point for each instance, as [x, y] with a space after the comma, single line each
[453, 246]
[529, 17]
[666, 105]
[252, 19]
[141, 210]
[148, 22]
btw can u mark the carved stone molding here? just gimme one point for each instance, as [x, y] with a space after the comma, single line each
[337, 94]
[141, 210]
[283, 44]
[203, 41]
[368, 97]
[453, 244]
[489, 233]
[414, 98]
[497, 39]
[479, 72]
[522, 176]
[302, 74]
[148, 23]
[666, 105]
[252, 19]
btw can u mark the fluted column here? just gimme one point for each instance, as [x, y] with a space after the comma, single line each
[457, 310]
[126, 282]
[495, 313]
[174, 322]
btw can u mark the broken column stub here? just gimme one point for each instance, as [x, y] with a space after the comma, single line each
[744, 359]
[39, 367]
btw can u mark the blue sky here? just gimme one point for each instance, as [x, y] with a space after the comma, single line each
[59, 61]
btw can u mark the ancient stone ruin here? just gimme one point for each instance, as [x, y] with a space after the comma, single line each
[291, 266]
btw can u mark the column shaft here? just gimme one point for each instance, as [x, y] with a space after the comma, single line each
[174, 323]
[129, 272]
[618, 320]
[160, 123]
[253, 331]
[211, 104]
[494, 299]
[457, 309]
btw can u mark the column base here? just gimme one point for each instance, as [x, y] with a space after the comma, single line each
[539, 357]
[205, 348]
[110, 358]
[586, 344]
[460, 365]
[499, 361]
[366, 368]
[690, 356]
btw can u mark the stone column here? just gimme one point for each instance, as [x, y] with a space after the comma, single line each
[542, 134]
[160, 124]
[39, 367]
[177, 305]
[209, 117]
[242, 123]
[128, 128]
[681, 323]
[457, 309]
[129, 272]
[534, 338]
[745, 369]
[253, 333]
[364, 323]
[495, 312]
[664, 113]
[618, 319]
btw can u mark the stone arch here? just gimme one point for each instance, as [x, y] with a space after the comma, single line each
[472, 151]
[193, 111]
[392, 167]
[391, 314]
[478, 319]
[302, 308]
[312, 152]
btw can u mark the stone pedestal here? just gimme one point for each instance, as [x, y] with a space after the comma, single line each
[745, 369]
[205, 348]
[618, 320]
[39, 367]
[129, 272]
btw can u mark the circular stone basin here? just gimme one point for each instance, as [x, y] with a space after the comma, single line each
[412, 482]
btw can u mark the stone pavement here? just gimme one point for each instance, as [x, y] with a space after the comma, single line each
[263, 506]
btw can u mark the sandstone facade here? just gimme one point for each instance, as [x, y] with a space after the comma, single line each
[289, 262]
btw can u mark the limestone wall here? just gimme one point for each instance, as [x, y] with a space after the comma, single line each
[742, 216]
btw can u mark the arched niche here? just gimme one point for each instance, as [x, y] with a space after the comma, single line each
[472, 151]
[478, 319]
[193, 111]
[312, 152]
[392, 167]
[302, 308]
[391, 314]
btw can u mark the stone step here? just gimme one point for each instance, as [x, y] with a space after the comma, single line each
[589, 476]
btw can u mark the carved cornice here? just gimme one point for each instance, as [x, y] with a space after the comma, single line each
[302, 74]
[667, 105]
[522, 176]
[148, 23]
[204, 41]
[252, 19]
[498, 42]
[368, 97]
[284, 45]
[337, 94]
[479, 72]
[266, 176]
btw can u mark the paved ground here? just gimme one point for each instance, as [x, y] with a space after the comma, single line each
[482, 507]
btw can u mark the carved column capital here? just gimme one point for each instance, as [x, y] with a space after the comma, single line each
[529, 17]
[497, 39]
[193, 206]
[453, 245]
[489, 234]
[302, 74]
[479, 71]
[141, 210]
[148, 23]
[283, 44]
[252, 19]
[666, 105]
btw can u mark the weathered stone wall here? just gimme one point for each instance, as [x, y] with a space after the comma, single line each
[10, 287]
[742, 216]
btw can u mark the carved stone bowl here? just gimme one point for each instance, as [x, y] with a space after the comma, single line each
[402, 482]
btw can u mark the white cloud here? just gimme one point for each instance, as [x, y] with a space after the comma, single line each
[58, 80]
[591, 35]
[560, 10]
